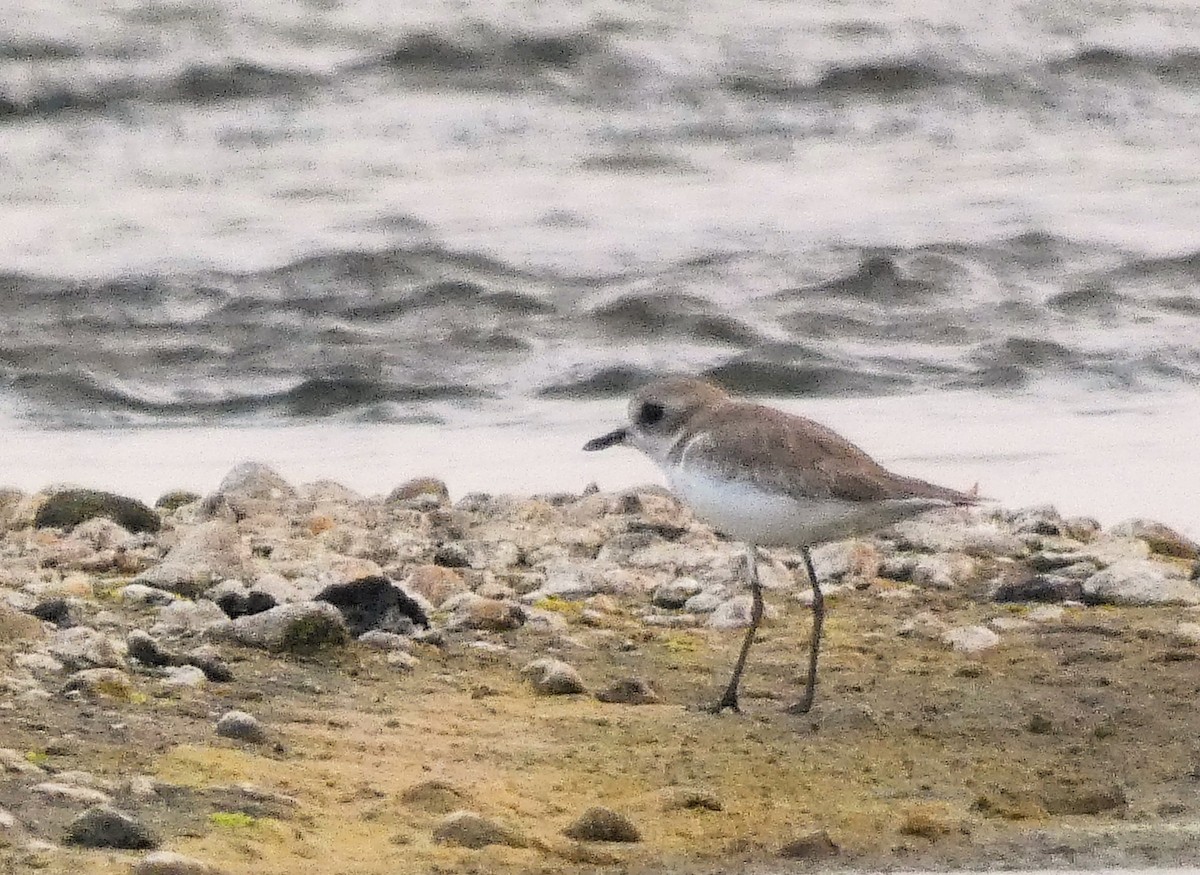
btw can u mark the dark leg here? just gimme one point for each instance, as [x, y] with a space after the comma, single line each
[730, 698]
[818, 607]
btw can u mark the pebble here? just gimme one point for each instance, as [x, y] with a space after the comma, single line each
[553, 677]
[241, 726]
[105, 827]
[7, 821]
[599, 824]
[170, 863]
[467, 829]
[1139, 582]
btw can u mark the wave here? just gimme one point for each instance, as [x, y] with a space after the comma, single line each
[198, 84]
[399, 332]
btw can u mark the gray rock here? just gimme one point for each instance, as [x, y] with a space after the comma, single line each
[944, 571]
[553, 677]
[675, 593]
[467, 829]
[104, 827]
[71, 793]
[385, 640]
[257, 481]
[38, 662]
[599, 824]
[1161, 539]
[101, 682]
[708, 601]
[398, 659]
[300, 627]
[170, 863]
[84, 647]
[1037, 588]
[843, 559]
[628, 691]
[491, 615]
[925, 625]
[184, 676]
[204, 555]
[970, 639]
[735, 613]
[899, 567]
[1139, 582]
[241, 726]
[7, 821]
[145, 649]
[188, 616]
[140, 594]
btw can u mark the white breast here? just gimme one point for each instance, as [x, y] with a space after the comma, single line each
[746, 512]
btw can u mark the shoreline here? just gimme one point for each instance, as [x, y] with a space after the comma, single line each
[1111, 459]
[284, 678]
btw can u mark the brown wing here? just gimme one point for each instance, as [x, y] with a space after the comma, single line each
[802, 457]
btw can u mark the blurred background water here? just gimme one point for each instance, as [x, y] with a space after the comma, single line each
[366, 240]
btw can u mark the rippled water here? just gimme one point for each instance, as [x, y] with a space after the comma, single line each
[218, 213]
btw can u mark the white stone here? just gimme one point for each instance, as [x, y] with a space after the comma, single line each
[142, 594]
[1140, 582]
[970, 639]
[183, 676]
[188, 616]
[72, 793]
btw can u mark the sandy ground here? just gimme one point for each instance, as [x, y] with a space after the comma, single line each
[1073, 744]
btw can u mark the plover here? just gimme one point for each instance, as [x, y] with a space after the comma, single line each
[769, 479]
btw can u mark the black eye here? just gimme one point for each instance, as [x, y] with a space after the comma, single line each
[649, 414]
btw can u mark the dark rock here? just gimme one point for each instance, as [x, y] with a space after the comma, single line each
[466, 829]
[374, 603]
[599, 824]
[145, 649]
[175, 499]
[241, 726]
[815, 845]
[1038, 588]
[104, 827]
[70, 507]
[57, 611]
[452, 555]
[420, 488]
[208, 661]
[435, 796]
[238, 604]
[629, 691]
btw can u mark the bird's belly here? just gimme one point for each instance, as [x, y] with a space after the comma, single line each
[746, 512]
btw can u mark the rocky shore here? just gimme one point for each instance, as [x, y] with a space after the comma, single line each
[277, 679]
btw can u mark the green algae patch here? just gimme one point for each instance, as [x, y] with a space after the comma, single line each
[308, 636]
[232, 820]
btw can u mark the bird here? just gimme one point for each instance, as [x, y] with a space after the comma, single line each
[769, 479]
